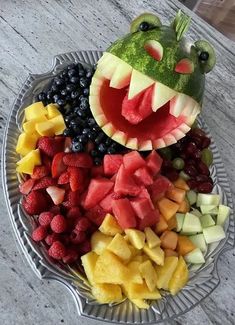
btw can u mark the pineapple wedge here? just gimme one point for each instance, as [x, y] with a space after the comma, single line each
[99, 242]
[135, 277]
[35, 110]
[107, 293]
[119, 247]
[141, 291]
[156, 254]
[136, 238]
[52, 111]
[88, 262]
[110, 226]
[180, 277]
[152, 239]
[165, 272]
[140, 303]
[149, 274]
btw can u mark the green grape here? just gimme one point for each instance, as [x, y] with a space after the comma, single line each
[178, 163]
[207, 156]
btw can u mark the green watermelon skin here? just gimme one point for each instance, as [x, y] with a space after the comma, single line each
[131, 50]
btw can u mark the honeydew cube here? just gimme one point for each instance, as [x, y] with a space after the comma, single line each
[191, 224]
[99, 242]
[208, 199]
[196, 212]
[29, 127]
[179, 221]
[110, 226]
[156, 254]
[59, 124]
[165, 272]
[149, 274]
[45, 128]
[207, 221]
[88, 262]
[152, 239]
[136, 238]
[106, 293]
[199, 241]
[195, 257]
[192, 197]
[26, 143]
[119, 247]
[223, 214]
[35, 110]
[28, 162]
[209, 209]
[213, 234]
[52, 111]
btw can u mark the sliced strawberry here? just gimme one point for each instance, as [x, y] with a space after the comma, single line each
[46, 161]
[56, 194]
[82, 160]
[58, 167]
[97, 171]
[40, 172]
[67, 144]
[64, 178]
[44, 183]
[76, 179]
[35, 203]
[27, 186]
[51, 146]
[72, 199]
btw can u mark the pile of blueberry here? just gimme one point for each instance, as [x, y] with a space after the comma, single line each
[70, 90]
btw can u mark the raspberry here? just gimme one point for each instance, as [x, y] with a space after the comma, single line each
[83, 224]
[71, 256]
[39, 233]
[58, 224]
[73, 213]
[50, 239]
[77, 237]
[85, 247]
[55, 209]
[57, 250]
[45, 218]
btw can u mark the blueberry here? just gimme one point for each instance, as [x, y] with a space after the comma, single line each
[86, 131]
[84, 104]
[77, 147]
[70, 87]
[54, 88]
[72, 72]
[59, 81]
[64, 74]
[56, 97]
[50, 94]
[102, 148]
[68, 118]
[75, 94]
[68, 132]
[79, 122]
[81, 73]
[108, 141]
[94, 153]
[91, 135]
[97, 161]
[61, 102]
[99, 138]
[84, 82]
[111, 150]
[71, 66]
[64, 92]
[86, 91]
[89, 74]
[82, 114]
[83, 139]
[74, 80]
[42, 96]
[82, 97]
[91, 121]
[96, 128]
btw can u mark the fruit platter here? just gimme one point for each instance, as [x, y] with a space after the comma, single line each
[113, 183]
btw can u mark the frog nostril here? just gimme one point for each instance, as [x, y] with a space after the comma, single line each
[154, 49]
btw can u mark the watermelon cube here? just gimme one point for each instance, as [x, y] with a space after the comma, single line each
[97, 190]
[106, 203]
[143, 176]
[96, 215]
[149, 220]
[145, 194]
[97, 171]
[159, 187]
[112, 164]
[154, 162]
[132, 161]
[124, 213]
[141, 206]
[125, 184]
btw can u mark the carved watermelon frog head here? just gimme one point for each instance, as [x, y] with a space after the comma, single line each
[148, 86]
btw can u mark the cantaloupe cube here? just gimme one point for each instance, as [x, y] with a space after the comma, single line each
[172, 223]
[161, 226]
[120, 247]
[59, 124]
[99, 242]
[175, 194]
[106, 293]
[29, 127]
[167, 208]
[109, 269]
[169, 252]
[52, 111]
[27, 163]
[184, 245]
[149, 274]
[135, 275]
[26, 143]
[88, 262]
[156, 254]
[180, 183]
[179, 277]
[141, 291]
[45, 128]
[35, 110]
[165, 272]
[140, 303]
[136, 237]
[169, 239]
[110, 226]
[152, 239]
[184, 206]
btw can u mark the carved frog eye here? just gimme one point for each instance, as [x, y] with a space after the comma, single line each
[145, 22]
[206, 55]
[154, 49]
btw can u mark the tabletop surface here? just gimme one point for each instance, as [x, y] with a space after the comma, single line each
[31, 33]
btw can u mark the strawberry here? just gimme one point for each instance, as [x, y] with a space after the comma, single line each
[58, 166]
[40, 172]
[46, 161]
[82, 160]
[67, 144]
[72, 199]
[71, 256]
[73, 213]
[97, 171]
[27, 186]
[51, 146]
[44, 183]
[64, 178]
[76, 179]
[56, 194]
[35, 203]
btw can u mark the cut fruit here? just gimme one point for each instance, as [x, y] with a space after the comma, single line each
[133, 266]
[199, 241]
[161, 225]
[56, 194]
[159, 187]
[119, 247]
[180, 183]
[35, 110]
[192, 197]
[106, 293]
[52, 111]
[223, 214]
[99, 242]
[207, 221]
[27, 163]
[185, 245]
[59, 124]
[151, 219]
[184, 66]
[125, 184]
[29, 127]
[152, 239]
[122, 75]
[176, 194]
[156, 254]
[133, 161]
[213, 234]
[172, 223]
[184, 206]
[136, 238]
[112, 164]
[161, 95]
[149, 274]
[88, 263]
[97, 190]
[191, 224]
[154, 162]
[179, 277]
[154, 49]
[138, 83]
[167, 208]
[124, 213]
[169, 240]
[26, 143]
[165, 272]
[143, 177]
[45, 128]
[208, 199]
[170, 252]
[110, 226]
[142, 207]
[179, 221]
[209, 209]
[141, 291]
[195, 257]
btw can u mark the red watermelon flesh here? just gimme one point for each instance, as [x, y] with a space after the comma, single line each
[97, 171]
[112, 164]
[159, 187]
[124, 213]
[132, 161]
[96, 215]
[141, 206]
[184, 66]
[143, 176]
[154, 49]
[97, 190]
[145, 194]
[125, 184]
[149, 220]
[154, 162]
[106, 203]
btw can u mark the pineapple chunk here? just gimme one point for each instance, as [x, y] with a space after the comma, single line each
[179, 278]
[138, 258]
[28, 162]
[135, 275]
[99, 242]
[165, 272]
[45, 128]
[88, 262]
[152, 239]
[109, 269]
[52, 111]
[140, 303]
[26, 143]
[29, 127]
[141, 291]
[110, 226]
[149, 274]
[119, 247]
[59, 124]
[134, 251]
[106, 293]
[156, 254]
[136, 238]
[35, 110]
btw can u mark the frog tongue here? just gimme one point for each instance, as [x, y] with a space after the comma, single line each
[139, 107]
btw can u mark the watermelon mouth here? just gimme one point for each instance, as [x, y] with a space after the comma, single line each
[137, 111]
